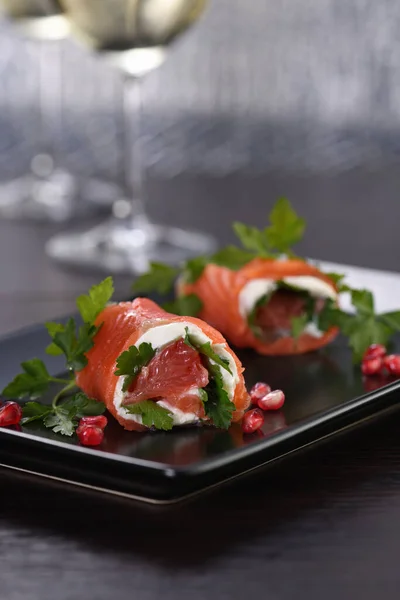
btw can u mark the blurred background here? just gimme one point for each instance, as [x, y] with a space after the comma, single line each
[257, 100]
[309, 85]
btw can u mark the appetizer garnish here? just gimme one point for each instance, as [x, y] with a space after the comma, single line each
[274, 400]
[253, 420]
[10, 414]
[376, 361]
[149, 368]
[259, 390]
[261, 295]
[155, 370]
[68, 404]
[392, 364]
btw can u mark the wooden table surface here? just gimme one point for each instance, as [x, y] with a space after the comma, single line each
[324, 524]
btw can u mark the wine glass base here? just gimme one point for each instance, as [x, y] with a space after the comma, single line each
[58, 197]
[114, 247]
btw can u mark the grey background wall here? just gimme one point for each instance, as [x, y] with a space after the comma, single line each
[258, 84]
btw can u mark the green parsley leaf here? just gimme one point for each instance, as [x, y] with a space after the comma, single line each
[84, 342]
[253, 239]
[61, 421]
[298, 324]
[185, 306]
[75, 347]
[34, 382]
[330, 316]
[232, 257]
[152, 414]
[362, 331]
[214, 397]
[188, 341]
[194, 268]
[337, 278]
[160, 278]
[363, 328]
[54, 328]
[83, 406]
[286, 228]
[92, 304]
[131, 362]
[218, 406]
[392, 319]
[363, 301]
[207, 350]
[34, 411]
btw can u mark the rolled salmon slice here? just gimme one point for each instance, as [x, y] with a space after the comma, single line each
[229, 297]
[175, 374]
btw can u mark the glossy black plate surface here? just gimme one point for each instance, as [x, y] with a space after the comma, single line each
[324, 394]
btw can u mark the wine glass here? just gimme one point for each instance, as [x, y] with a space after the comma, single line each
[132, 35]
[48, 191]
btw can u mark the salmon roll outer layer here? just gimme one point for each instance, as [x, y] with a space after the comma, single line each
[229, 296]
[132, 323]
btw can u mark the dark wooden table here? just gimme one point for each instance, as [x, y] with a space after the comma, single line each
[323, 525]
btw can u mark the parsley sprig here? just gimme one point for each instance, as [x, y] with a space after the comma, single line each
[286, 229]
[74, 342]
[132, 361]
[153, 415]
[363, 327]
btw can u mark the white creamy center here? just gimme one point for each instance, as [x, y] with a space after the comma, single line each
[162, 335]
[251, 293]
[317, 288]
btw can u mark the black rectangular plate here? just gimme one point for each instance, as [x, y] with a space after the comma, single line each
[325, 394]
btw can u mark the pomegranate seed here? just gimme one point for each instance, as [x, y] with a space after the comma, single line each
[10, 414]
[252, 420]
[372, 366]
[90, 435]
[259, 390]
[99, 421]
[375, 351]
[272, 401]
[392, 364]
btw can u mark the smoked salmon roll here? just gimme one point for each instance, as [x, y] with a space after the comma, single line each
[153, 369]
[263, 303]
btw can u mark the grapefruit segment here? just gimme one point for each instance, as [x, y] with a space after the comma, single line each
[171, 375]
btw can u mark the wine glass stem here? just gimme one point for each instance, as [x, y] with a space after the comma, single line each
[49, 81]
[132, 159]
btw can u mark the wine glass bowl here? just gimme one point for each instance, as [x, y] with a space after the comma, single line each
[38, 19]
[131, 34]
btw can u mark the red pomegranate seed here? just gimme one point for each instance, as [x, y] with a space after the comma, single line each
[252, 420]
[372, 366]
[375, 351]
[272, 401]
[259, 390]
[90, 435]
[99, 421]
[392, 364]
[10, 414]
